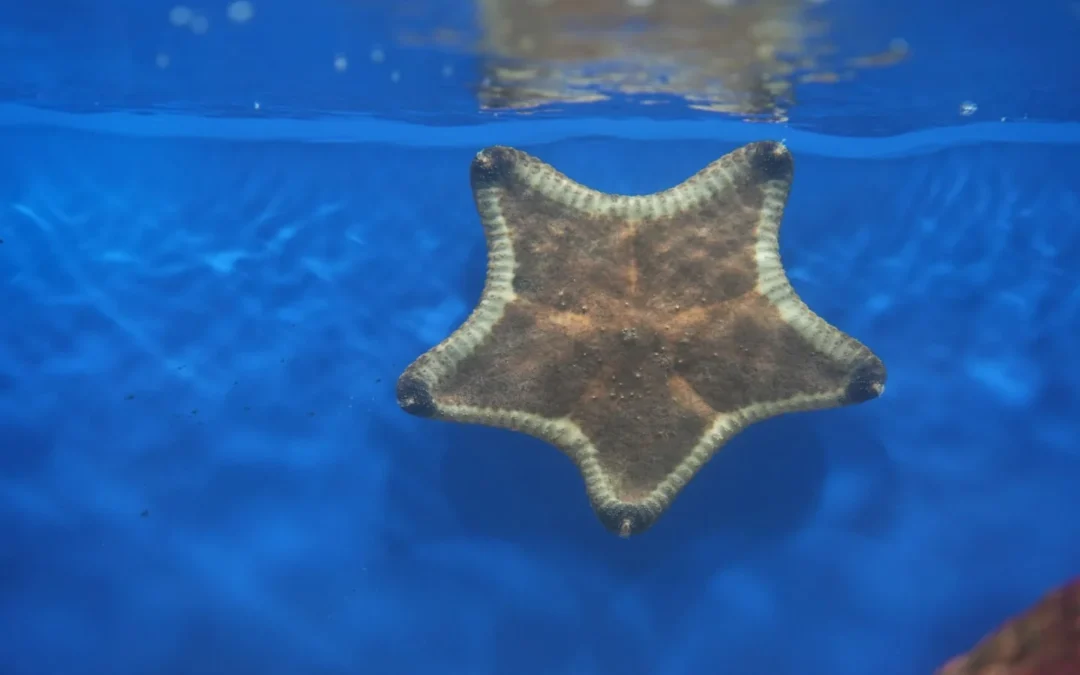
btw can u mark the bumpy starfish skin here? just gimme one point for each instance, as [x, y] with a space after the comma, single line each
[637, 334]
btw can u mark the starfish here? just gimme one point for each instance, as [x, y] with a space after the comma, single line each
[636, 334]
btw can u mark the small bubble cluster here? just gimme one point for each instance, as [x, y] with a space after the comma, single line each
[242, 12]
[182, 16]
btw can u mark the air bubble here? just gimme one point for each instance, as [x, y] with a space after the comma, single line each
[180, 15]
[240, 11]
[199, 24]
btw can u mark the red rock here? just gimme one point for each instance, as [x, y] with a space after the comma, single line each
[1043, 640]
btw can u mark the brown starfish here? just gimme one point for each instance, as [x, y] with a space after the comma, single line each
[637, 334]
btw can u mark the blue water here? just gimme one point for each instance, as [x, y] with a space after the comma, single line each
[203, 468]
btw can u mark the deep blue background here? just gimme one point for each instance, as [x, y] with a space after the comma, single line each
[210, 332]
[202, 466]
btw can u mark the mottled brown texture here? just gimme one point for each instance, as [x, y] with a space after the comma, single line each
[640, 331]
[528, 365]
[1043, 640]
[743, 353]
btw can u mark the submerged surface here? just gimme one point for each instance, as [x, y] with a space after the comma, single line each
[204, 468]
[839, 67]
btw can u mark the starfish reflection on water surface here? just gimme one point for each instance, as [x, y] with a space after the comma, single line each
[637, 334]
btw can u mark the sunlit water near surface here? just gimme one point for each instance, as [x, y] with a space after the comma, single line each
[203, 468]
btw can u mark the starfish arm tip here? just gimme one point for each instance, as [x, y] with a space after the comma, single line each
[491, 165]
[414, 396]
[626, 519]
[867, 382]
[771, 159]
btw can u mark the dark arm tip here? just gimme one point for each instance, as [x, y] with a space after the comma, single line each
[867, 382]
[414, 396]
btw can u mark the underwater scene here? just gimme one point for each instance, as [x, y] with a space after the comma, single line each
[539, 337]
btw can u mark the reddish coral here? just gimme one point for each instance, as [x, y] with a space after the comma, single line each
[1043, 640]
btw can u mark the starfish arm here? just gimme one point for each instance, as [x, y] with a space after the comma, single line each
[638, 334]
[528, 362]
[747, 362]
[545, 265]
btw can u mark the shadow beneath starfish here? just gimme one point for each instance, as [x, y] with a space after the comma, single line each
[493, 489]
[762, 486]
